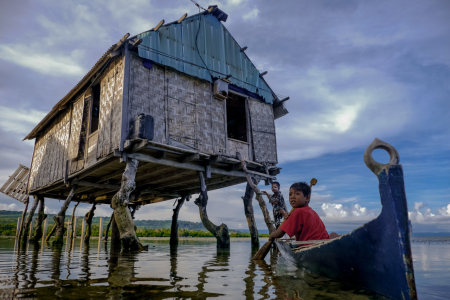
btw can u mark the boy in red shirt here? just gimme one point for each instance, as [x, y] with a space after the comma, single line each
[303, 222]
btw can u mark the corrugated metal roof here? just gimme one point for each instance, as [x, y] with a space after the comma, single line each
[174, 45]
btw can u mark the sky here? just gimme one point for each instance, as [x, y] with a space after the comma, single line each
[354, 71]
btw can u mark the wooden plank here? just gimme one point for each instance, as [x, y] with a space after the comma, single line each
[126, 82]
[18, 180]
[11, 178]
[20, 189]
[97, 185]
[162, 177]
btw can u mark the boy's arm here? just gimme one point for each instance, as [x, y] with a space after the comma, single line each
[267, 195]
[276, 234]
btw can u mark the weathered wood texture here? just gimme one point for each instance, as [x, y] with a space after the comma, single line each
[16, 185]
[238, 146]
[220, 232]
[122, 215]
[174, 227]
[40, 218]
[249, 215]
[50, 153]
[194, 119]
[88, 221]
[30, 215]
[111, 89]
[263, 131]
[59, 219]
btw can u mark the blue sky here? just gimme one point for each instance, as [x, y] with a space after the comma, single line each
[354, 70]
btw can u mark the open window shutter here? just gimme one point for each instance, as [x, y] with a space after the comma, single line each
[263, 131]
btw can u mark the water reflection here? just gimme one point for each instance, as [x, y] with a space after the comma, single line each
[190, 270]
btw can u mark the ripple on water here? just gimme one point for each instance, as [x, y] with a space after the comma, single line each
[193, 270]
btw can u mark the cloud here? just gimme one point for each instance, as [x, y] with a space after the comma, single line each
[44, 63]
[427, 217]
[18, 120]
[12, 206]
[336, 212]
[253, 14]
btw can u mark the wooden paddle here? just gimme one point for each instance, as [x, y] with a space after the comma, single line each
[262, 252]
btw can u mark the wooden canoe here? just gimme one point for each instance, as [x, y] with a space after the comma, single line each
[377, 255]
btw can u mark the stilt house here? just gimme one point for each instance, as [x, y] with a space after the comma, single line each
[180, 98]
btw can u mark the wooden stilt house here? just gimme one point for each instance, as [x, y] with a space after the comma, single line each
[180, 98]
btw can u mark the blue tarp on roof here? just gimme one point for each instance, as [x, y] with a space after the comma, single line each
[174, 45]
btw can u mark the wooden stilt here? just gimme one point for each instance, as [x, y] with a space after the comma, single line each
[44, 231]
[248, 210]
[40, 218]
[174, 227]
[220, 232]
[115, 236]
[21, 230]
[88, 221]
[122, 215]
[108, 226]
[259, 197]
[100, 229]
[51, 233]
[59, 219]
[72, 220]
[19, 225]
[29, 219]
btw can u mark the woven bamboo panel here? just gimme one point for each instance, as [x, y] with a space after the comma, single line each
[15, 187]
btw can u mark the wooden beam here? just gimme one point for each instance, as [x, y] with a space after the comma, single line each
[190, 166]
[174, 182]
[97, 185]
[94, 168]
[190, 157]
[162, 177]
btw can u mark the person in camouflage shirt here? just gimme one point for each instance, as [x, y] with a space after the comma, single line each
[277, 201]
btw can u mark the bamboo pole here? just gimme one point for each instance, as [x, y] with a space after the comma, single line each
[19, 224]
[100, 228]
[44, 232]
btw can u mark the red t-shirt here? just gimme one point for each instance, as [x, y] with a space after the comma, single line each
[305, 224]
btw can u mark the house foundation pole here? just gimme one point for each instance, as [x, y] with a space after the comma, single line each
[72, 220]
[21, 230]
[249, 215]
[100, 229]
[220, 232]
[174, 227]
[19, 225]
[88, 221]
[51, 233]
[122, 215]
[59, 219]
[258, 193]
[29, 220]
[44, 231]
[40, 218]
[108, 226]
[115, 236]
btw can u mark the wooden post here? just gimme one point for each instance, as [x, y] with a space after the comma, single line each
[68, 234]
[21, 230]
[122, 215]
[248, 210]
[174, 227]
[88, 220]
[59, 219]
[259, 197]
[19, 225]
[39, 219]
[44, 231]
[100, 228]
[72, 220]
[74, 228]
[83, 224]
[115, 236]
[108, 226]
[30, 234]
[51, 233]
[220, 232]
[28, 221]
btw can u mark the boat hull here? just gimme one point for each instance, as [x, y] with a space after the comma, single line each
[377, 255]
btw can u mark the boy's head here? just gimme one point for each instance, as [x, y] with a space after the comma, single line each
[299, 194]
[275, 186]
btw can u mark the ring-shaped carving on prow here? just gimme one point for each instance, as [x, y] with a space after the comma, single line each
[374, 166]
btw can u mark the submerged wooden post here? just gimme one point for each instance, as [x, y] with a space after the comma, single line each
[174, 227]
[100, 228]
[51, 233]
[29, 219]
[259, 197]
[30, 234]
[88, 221]
[19, 223]
[220, 232]
[59, 219]
[21, 230]
[115, 236]
[248, 210]
[69, 226]
[40, 218]
[44, 231]
[83, 226]
[122, 215]
[108, 226]
[72, 220]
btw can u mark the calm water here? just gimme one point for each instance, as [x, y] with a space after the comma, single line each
[193, 270]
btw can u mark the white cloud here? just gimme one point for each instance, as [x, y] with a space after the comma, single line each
[12, 206]
[336, 212]
[251, 14]
[427, 217]
[44, 63]
[19, 120]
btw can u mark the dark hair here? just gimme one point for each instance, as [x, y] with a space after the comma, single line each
[302, 187]
[277, 183]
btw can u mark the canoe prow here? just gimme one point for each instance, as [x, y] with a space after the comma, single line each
[377, 255]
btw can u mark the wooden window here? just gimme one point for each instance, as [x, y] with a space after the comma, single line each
[236, 118]
[95, 111]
